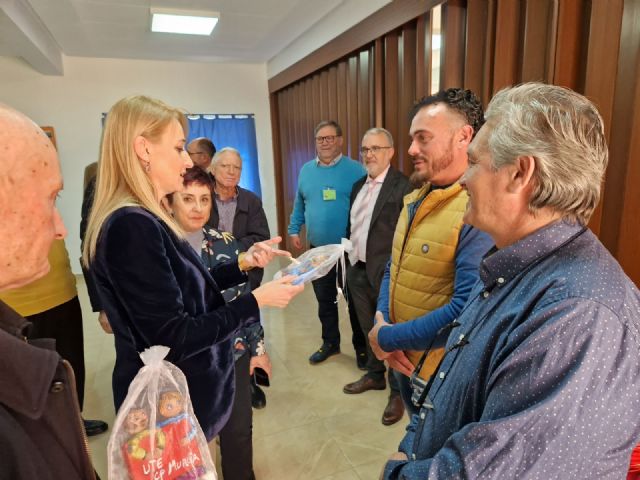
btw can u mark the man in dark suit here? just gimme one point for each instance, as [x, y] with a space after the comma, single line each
[376, 203]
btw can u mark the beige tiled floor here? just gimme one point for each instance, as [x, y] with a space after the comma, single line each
[309, 429]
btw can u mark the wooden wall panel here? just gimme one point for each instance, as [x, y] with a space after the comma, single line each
[619, 224]
[396, 13]
[365, 95]
[277, 164]
[628, 240]
[572, 22]
[601, 68]
[627, 120]
[378, 82]
[506, 70]
[391, 86]
[591, 46]
[407, 96]
[342, 98]
[423, 55]
[351, 135]
[453, 44]
[538, 41]
[477, 48]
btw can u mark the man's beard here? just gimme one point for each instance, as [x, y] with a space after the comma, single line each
[419, 178]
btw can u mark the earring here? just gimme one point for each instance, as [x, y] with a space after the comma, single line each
[147, 166]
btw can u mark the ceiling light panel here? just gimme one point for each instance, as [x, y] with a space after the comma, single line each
[187, 22]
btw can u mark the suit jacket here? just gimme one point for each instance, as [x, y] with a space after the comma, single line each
[249, 226]
[156, 291]
[383, 221]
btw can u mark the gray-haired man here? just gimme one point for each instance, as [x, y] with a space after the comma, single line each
[541, 376]
[376, 203]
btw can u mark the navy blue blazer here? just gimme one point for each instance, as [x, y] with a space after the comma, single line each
[156, 291]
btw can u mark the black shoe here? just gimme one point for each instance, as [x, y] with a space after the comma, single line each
[324, 352]
[361, 360]
[258, 398]
[95, 427]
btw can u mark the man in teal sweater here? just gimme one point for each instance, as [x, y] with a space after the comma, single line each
[322, 204]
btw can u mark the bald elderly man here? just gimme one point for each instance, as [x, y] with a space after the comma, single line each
[41, 433]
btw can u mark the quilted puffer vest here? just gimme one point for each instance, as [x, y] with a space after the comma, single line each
[423, 260]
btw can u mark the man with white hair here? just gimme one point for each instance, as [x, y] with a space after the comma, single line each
[541, 376]
[240, 212]
[41, 431]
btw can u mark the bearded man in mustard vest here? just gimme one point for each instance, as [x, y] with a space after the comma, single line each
[435, 257]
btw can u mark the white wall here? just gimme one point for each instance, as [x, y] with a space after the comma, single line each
[338, 21]
[73, 103]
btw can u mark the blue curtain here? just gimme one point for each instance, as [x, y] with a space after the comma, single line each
[237, 131]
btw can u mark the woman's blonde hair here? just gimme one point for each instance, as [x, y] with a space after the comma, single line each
[122, 180]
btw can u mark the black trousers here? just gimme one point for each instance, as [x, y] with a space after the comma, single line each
[236, 443]
[64, 324]
[365, 299]
[327, 294]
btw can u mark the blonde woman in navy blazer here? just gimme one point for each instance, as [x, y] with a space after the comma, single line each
[149, 281]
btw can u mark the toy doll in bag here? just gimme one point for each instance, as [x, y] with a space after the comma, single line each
[140, 448]
[179, 429]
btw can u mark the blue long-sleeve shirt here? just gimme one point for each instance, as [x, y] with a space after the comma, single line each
[323, 198]
[418, 333]
[542, 377]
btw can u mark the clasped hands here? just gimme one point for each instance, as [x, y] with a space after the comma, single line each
[396, 359]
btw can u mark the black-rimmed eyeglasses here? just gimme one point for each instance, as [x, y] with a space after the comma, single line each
[364, 151]
[327, 138]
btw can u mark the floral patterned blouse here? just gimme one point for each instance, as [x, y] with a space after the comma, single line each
[221, 247]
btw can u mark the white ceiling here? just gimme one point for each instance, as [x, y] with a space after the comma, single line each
[44, 31]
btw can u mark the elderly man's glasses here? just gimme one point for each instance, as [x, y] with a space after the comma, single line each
[327, 138]
[364, 151]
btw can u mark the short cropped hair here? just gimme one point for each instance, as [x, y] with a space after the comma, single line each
[328, 123]
[195, 175]
[380, 131]
[207, 145]
[464, 102]
[563, 131]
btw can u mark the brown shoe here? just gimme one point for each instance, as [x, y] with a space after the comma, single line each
[364, 384]
[394, 411]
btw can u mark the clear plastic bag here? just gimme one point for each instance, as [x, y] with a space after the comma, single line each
[316, 263]
[156, 435]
